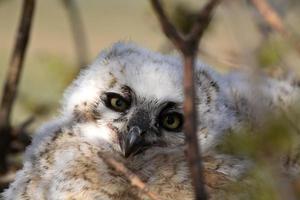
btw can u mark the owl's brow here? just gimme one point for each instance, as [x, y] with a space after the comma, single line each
[127, 92]
[170, 105]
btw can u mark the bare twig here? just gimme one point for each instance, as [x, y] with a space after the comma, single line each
[16, 62]
[270, 16]
[168, 28]
[78, 32]
[133, 178]
[202, 22]
[275, 22]
[188, 46]
[12, 79]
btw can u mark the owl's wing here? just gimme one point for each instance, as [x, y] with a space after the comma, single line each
[63, 165]
[253, 97]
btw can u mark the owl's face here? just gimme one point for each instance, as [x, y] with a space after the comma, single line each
[138, 123]
[131, 99]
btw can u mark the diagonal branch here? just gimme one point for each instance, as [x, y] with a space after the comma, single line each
[202, 21]
[168, 28]
[188, 46]
[133, 178]
[270, 16]
[275, 22]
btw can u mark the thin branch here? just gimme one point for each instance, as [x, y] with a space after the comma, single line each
[190, 129]
[188, 46]
[78, 32]
[16, 62]
[202, 21]
[168, 28]
[132, 177]
[270, 16]
[275, 22]
[12, 81]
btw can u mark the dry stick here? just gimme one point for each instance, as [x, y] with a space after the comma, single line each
[133, 178]
[16, 62]
[188, 46]
[78, 32]
[274, 21]
[12, 79]
[270, 16]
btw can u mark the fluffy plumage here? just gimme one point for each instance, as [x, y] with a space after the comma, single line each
[127, 104]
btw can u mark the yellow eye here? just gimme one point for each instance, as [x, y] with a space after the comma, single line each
[172, 121]
[116, 102]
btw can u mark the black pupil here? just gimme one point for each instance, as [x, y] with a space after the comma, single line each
[170, 119]
[119, 102]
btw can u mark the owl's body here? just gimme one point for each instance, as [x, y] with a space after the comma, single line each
[68, 167]
[128, 104]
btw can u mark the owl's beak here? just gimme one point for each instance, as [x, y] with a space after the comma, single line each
[133, 141]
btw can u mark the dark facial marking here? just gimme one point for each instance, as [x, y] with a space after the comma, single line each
[112, 81]
[208, 78]
[127, 92]
[85, 112]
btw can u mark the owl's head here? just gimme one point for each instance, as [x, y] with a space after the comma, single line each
[132, 99]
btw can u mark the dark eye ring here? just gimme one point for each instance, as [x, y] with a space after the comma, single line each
[171, 121]
[116, 102]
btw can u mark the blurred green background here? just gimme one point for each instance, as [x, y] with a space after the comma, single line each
[237, 37]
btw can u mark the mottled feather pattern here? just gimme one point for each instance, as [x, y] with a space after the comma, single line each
[63, 163]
